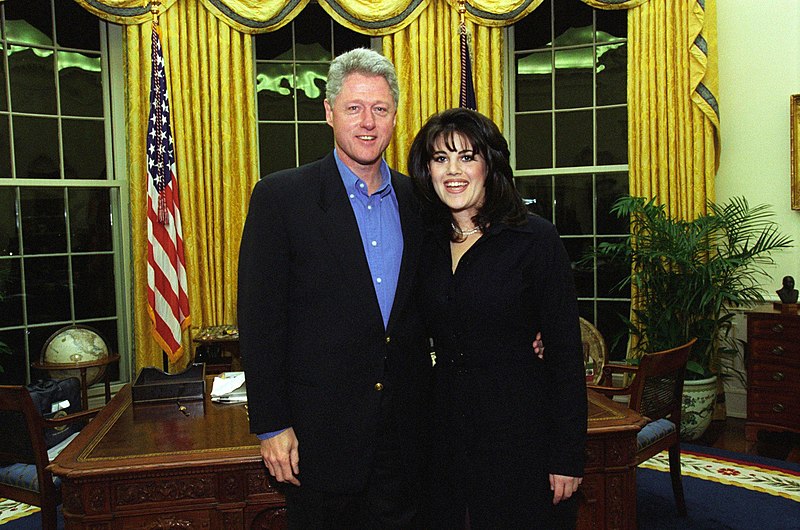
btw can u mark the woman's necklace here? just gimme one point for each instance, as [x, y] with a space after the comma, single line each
[465, 233]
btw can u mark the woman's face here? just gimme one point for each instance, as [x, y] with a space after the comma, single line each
[458, 176]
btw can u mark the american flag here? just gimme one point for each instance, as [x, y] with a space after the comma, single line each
[167, 296]
[467, 93]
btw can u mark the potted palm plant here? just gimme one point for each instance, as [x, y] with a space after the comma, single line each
[686, 278]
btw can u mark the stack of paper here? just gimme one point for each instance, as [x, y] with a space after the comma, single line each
[229, 387]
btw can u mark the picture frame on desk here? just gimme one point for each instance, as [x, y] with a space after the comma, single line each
[794, 116]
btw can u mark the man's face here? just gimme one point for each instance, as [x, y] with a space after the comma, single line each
[363, 119]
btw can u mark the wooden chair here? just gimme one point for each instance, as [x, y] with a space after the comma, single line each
[656, 393]
[594, 349]
[24, 476]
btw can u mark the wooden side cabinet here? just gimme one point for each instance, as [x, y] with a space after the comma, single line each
[773, 371]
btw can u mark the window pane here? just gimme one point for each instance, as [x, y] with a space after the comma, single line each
[84, 149]
[36, 147]
[574, 204]
[534, 81]
[29, 21]
[3, 101]
[14, 364]
[573, 138]
[80, 85]
[311, 83]
[276, 147]
[275, 44]
[90, 219]
[33, 86]
[43, 224]
[533, 31]
[5, 148]
[611, 24]
[93, 284]
[345, 39]
[48, 296]
[612, 136]
[584, 279]
[74, 26]
[10, 293]
[534, 147]
[573, 85]
[614, 330]
[537, 193]
[314, 141]
[9, 239]
[275, 91]
[568, 19]
[612, 74]
[610, 187]
[312, 31]
[609, 276]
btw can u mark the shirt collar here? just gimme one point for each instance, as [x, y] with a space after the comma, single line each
[351, 180]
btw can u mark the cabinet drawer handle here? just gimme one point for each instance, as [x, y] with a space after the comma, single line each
[778, 407]
[777, 376]
[777, 350]
[777, 328]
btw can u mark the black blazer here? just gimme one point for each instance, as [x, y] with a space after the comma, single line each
[311, 335]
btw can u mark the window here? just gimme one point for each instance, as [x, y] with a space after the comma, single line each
[568, 121]
[291, 71]
[60, 234]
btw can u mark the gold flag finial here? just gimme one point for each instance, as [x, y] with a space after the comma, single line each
[155, 8]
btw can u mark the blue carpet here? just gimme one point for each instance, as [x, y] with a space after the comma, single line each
[712, 505]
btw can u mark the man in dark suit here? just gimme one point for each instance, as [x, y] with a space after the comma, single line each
[333, 349]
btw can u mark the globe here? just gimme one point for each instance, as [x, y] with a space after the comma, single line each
[76, 345]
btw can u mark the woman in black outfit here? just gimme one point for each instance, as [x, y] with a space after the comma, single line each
[508, 428]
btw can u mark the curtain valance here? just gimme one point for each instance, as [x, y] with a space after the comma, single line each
[124, 11]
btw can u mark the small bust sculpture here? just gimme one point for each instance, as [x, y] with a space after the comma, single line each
[788, 293]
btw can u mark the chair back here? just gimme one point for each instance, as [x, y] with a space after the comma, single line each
[594, 349]
[23, 448]
[656, 391]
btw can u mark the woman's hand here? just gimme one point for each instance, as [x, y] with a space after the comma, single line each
[538, 346]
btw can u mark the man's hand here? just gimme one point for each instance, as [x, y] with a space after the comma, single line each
[538, 346]
[563, 487]
[280, 454]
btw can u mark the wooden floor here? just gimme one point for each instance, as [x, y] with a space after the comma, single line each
[729, 435]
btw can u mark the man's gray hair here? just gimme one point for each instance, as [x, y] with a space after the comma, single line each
[360, 61]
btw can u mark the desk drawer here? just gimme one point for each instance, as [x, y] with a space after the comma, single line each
[775, 350]
[778, 408]
[774, 376]
[774, 327]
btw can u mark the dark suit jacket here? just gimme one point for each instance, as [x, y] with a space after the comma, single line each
[312, 339]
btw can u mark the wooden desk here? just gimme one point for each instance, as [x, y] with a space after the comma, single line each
[153, 467]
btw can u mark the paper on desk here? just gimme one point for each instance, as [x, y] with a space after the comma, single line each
[229, 387]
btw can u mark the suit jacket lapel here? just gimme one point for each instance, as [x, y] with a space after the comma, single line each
[340, 229]
[411, 222]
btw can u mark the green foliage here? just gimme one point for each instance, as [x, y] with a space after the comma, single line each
[687, 276]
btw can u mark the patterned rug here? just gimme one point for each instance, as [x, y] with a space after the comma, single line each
[733, 471]
[723, 491]
[11, 510]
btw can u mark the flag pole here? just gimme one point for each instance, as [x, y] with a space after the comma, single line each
[467, 93]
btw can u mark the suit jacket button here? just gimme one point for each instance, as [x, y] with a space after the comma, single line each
[388, 339]
[378, 387]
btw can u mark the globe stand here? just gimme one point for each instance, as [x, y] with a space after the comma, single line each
[83, 367]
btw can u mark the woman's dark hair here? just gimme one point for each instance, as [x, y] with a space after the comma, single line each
[502, 202]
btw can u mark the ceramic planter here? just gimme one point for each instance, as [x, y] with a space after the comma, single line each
[698, 407]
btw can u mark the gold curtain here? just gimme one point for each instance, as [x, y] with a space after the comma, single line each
[427, 56]
[673, 141]
[209, 70]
